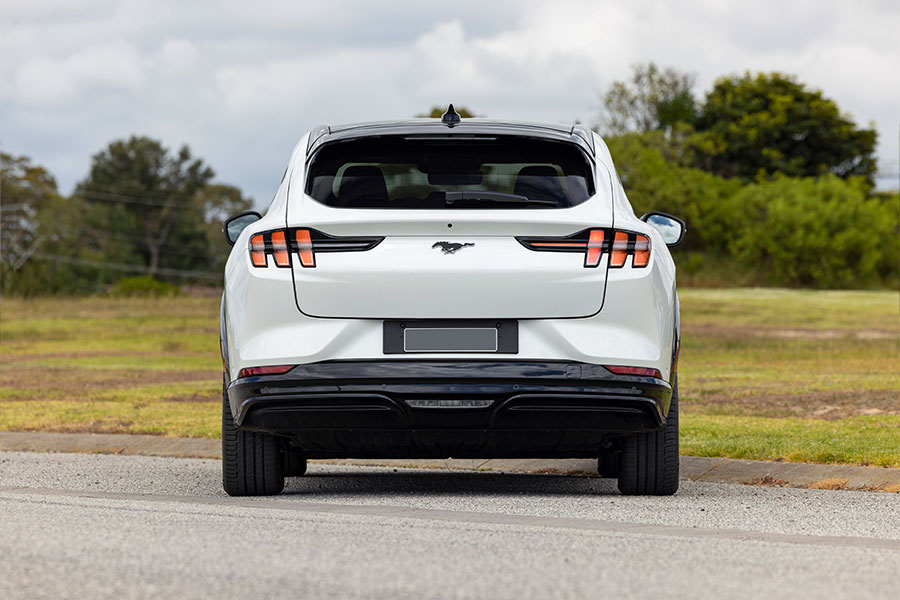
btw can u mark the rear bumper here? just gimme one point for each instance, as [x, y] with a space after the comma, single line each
[410, 409]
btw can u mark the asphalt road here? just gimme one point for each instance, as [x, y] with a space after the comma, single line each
[90, 526]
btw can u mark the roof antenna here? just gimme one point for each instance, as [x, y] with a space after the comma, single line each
[451, 117]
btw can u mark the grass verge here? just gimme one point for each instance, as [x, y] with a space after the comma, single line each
[765, 374]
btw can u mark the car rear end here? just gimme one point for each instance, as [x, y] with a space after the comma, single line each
[418, 290]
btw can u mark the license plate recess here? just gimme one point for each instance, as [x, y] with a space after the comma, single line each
[452, 336]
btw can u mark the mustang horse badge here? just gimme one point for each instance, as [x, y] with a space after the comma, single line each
[450, 247]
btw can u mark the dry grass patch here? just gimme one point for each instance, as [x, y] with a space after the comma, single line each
[830, 483]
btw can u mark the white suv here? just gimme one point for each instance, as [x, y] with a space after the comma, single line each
[450, 288]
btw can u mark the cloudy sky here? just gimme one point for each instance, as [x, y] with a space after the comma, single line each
[240, 82]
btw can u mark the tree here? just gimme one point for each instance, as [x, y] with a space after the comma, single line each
[25, 191]
[769, 123]
[437, 111]
[655, 181]
[653, 99]
[220, 201]
[144, 200]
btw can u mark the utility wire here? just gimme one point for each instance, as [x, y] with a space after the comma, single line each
[123, 267]
[120, 198]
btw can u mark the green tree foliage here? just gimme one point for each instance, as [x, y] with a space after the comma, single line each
[812, 232]
[652, 99]
[32, 218]
[220, 201]
[769, 123]
[821, 232]
[648, 165]
[141, 209]
[142, 202]
[25, 190]
[437, 111]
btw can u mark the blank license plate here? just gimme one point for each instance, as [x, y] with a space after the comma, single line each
[487, 336]
[449, 339]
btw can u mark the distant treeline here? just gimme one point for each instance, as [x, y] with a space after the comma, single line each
[142, 212]
[775, 183]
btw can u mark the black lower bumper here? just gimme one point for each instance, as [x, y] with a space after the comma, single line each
[438, 409]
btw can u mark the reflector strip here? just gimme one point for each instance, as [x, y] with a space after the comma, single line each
[643, 371]
[258, 251]
[619, 250]
[274, 370]
[305, 248]
[280, 249]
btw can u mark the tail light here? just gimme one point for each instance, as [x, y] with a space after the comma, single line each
[283, 244]
[642, 371]
[593, 243]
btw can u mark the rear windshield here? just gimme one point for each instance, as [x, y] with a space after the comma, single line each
[410, 173]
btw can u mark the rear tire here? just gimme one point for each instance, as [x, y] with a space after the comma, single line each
[648, 464]
[251, 462]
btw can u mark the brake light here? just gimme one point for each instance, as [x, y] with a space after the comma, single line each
[274, 370]
[641, 251]
[593, 243]
[305, 248]
[619, 250]
[280, 249]
[281, 243]
[594, 248]
[258, 251]
[642, 371]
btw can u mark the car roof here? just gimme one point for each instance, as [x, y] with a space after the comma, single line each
[439, 129]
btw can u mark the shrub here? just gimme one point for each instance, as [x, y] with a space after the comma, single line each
[144, 286]
[823, 233]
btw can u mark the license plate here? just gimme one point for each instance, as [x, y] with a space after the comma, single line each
[451, 336]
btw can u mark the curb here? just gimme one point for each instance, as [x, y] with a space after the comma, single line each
[694, 468]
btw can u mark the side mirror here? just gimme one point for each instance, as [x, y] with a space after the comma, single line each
[233, 226]
[671, 228]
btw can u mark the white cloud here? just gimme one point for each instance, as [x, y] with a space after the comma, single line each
[178, 56]
[53, 82]
[241, 82]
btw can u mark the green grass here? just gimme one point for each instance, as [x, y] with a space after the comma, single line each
[158, 417]
[764, 373]
[771, 308]
[855, 440]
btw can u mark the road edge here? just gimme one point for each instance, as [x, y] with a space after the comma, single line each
[694, 468]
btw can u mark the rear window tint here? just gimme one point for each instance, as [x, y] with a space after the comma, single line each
[411, 173]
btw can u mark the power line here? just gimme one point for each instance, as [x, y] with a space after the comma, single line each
[120, 198]
[129, 268]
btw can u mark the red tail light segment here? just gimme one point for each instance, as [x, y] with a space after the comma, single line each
[305, 248]
[274, 370]
[280, 249]
[283, 244]
[593, 243]
[642, 371]
[594, 248]
[641, 251]
[258, 250]
[619, 250]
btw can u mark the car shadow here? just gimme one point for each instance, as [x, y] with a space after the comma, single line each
[321, 479]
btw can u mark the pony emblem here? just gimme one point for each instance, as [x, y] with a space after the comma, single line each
[450, 247]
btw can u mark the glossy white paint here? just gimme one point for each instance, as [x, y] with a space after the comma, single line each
[405, 278]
